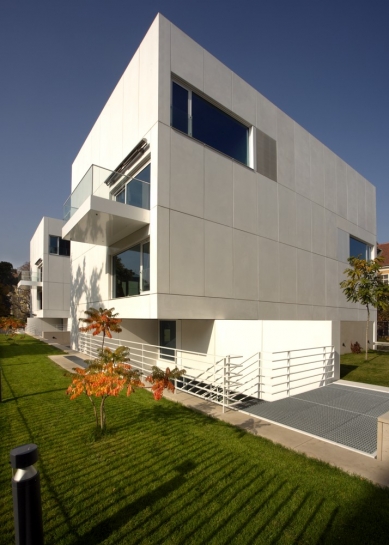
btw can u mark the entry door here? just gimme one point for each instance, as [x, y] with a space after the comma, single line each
[167, 339]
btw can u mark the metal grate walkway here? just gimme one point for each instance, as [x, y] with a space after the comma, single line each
[337, 413]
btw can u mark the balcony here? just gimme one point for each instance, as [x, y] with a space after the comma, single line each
[96, 214]
[29, 280]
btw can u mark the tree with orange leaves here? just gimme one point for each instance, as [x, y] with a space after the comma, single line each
[105, 377]
[10, 325]
[101, 320]
[162, 380]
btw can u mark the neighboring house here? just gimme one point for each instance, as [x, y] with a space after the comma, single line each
[49, 280]
[208, 218]
[383, 251]
[383, 324]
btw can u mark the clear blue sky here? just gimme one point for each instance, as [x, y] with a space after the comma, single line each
[325, 63]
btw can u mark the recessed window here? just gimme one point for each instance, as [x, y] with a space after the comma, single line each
[136, 191]
[58, 246]
[359, 249]
[199, 118]
[131, 271]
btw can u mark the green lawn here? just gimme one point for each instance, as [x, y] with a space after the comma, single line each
[374, 371]
[166, 475]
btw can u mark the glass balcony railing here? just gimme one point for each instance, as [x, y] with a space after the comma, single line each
[30, 277]
[128, 190]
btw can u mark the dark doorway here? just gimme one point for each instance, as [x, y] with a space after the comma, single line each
[167, 339]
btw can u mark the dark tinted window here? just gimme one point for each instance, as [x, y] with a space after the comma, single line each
[359, 249]
[64, 247]
[180, 108]
[126, 269]
[219, 130]
[209, 124]
[53, 245]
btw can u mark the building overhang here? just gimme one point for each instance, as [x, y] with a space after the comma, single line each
[29, 284]
[103, 222]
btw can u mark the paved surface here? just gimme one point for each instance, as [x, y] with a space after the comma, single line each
[348, 460]
[339, 413]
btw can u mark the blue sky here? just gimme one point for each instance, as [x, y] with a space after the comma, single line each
[325, 63]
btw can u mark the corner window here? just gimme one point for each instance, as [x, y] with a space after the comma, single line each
[199, 118]
[136, 191]
[359, 249]
[131, 271]
[58, 246]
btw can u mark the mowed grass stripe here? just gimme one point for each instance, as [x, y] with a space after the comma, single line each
[165, 474]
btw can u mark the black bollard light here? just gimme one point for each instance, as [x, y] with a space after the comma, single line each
[26, 493]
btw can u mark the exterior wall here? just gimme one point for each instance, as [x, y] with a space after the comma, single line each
[351, 332]
[56, 272]
[227, 243]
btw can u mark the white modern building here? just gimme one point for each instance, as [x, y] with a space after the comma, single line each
[49, 280]
[209, 219]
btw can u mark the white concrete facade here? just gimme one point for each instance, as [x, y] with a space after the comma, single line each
[49, 280]
[227, 243]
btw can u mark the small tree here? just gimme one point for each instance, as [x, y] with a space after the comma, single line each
[103, 321]
[105, 377]
[364, 286]
[10, 325]
[162, 380]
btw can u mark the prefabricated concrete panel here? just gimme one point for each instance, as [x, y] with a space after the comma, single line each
[218, 260]
[317, 171]
[266, 116]
[245, 199]
[302, 161]
[186, 175]
[288, 273]
[352, 195]
[268, 270]
[244, 100]
[341, 187]
[218, 190]
[245, 265]
[217, 80]
[285, 150]
[267, 192]
[182, 49]
[330, 180]
[287, 215]
[303, 223]
[186, 254]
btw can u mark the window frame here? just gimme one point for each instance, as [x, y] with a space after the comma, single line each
[140, 243]
[368, 250]
[249, 127]
[58, 246]
[117, 190]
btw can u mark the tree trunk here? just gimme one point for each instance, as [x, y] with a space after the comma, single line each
[102, 414]
[367, 330]
[102, 346]
[95, 411]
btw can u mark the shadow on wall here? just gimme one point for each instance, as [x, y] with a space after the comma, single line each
[89, 287]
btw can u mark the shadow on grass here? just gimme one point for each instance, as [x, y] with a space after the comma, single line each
[28, 347]
[29, 395]
[104, 529]
[346, 369]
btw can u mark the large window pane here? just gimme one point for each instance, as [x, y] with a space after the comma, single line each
[219, 130]
[180, 108]
[359, 249]
[64, 247]
[53, 245]
[146, 267]
[138, 189]
[126, 269]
